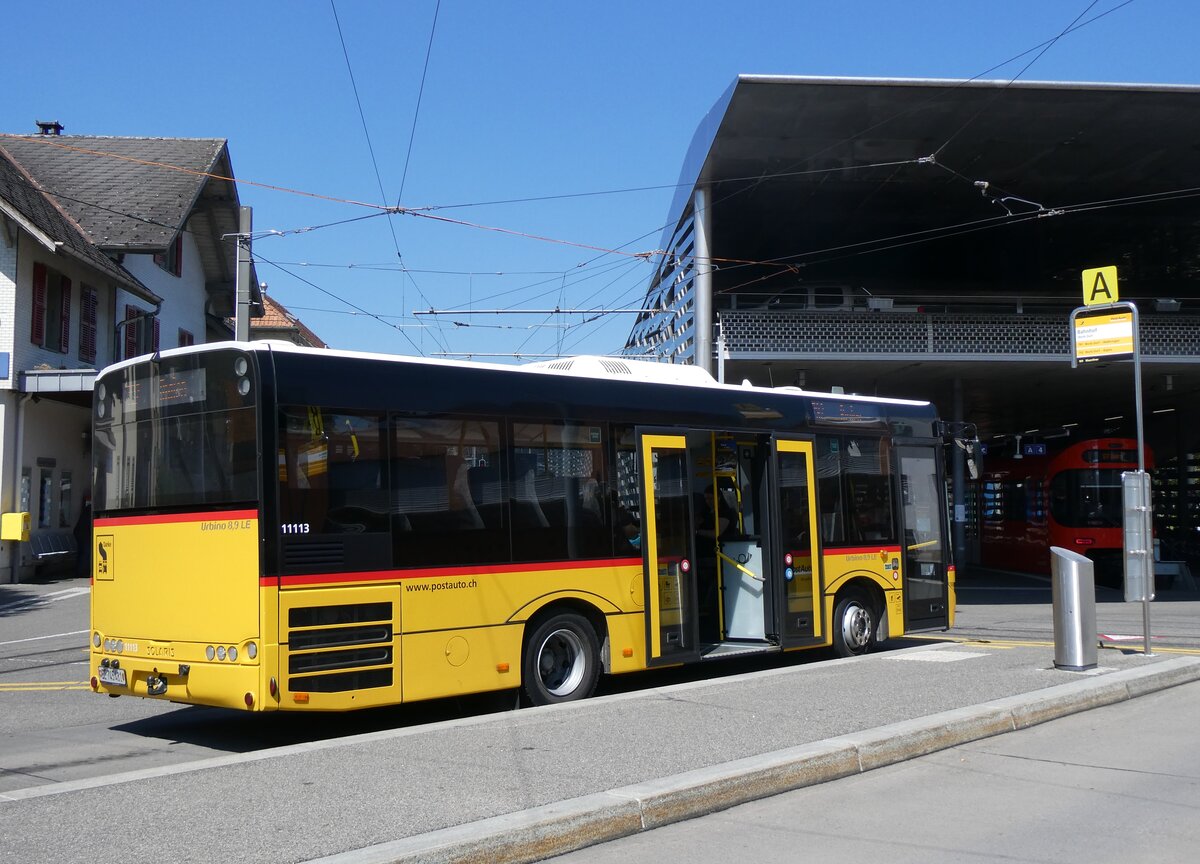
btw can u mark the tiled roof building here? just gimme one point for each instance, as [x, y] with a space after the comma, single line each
[278, 323]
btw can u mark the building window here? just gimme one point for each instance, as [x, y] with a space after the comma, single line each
[45, 497]
[186, 338]
[51, 318]
[87, 323]
[172, 259]
[141, 332]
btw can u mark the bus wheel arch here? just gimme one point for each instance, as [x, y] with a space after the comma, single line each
[857, 612]
[561, 654]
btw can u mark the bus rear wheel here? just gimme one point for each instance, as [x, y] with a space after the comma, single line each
[853, 625]
[562, 660]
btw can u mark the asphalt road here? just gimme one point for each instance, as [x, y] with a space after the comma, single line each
[1115, 784]
[53, 729]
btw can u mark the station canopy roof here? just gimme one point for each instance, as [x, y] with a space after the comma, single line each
[953, 196]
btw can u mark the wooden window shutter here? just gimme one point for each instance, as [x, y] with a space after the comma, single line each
[87, 324]
[156, 329]
[37, 333]
[64, 323]
[131, 332]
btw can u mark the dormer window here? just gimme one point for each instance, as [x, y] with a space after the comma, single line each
[172, 259]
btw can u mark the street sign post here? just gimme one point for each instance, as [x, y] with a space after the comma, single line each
[1100, 286]
[1106, 329]
[1103, 334]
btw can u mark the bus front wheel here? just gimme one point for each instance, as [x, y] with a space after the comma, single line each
[562, 660]
[853, 625]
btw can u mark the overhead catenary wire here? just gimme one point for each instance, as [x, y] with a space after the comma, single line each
[371, 149]
[987, 104]
[945, 231]
[356, 307]
[928, 235]
[49, 140]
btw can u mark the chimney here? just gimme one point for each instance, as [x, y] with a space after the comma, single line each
[49, 127]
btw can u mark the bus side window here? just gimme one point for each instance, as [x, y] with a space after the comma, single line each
[332, 475]
[556, 493]
[445, 499]
[829, 488]
[869, 484]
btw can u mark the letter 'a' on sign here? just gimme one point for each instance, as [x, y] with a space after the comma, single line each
[1100, 286]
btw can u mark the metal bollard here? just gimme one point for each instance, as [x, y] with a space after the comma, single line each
[1073, 590]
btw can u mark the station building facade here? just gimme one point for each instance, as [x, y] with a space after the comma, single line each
[926, 239]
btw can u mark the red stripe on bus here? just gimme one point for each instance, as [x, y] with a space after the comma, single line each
[176, 518]
[438, 572]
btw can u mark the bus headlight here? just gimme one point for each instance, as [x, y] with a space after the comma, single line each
[210, 652]
[95, 640]
[251, 650]
[233, 652]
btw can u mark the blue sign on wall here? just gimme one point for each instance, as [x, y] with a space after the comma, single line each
[1034, 449]
[3, 365]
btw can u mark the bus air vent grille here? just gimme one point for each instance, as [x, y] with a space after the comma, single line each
[301, 556]
[336, 648]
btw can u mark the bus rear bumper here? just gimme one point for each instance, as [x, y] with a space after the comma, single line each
[222, 685]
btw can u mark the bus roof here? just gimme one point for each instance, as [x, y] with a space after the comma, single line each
[586, 366]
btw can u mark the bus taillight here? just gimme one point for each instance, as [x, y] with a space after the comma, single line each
[1084, 541]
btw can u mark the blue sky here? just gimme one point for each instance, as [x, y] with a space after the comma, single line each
[521, 100]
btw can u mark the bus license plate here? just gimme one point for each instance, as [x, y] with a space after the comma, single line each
[112, 676]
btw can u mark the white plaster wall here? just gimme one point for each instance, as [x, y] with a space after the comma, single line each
[8, 286]
[183, 296]
[53, 436]
[51, 430]
[25, 354]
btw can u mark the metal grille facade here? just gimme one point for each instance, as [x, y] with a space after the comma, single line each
[934, 336]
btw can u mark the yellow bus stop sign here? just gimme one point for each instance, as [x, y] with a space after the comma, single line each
[1100, 286]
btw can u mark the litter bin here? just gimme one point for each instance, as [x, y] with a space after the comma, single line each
[1073, 590]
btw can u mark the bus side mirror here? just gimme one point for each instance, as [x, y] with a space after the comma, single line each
[969, 448]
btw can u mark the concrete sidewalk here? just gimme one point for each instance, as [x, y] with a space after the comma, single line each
[525, 785]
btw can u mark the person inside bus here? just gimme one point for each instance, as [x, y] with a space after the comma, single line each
[626, 526]
[715, 523]
[714, 519]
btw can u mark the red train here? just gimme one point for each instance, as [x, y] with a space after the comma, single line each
[1069, 498]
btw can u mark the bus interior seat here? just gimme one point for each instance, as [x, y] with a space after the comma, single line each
[527, 510]
[461, 502]
[484, 484]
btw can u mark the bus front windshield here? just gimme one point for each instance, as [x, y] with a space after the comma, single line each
[175, 433]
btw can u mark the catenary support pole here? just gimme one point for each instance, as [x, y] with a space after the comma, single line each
[241, 329]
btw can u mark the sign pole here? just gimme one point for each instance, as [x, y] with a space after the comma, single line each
[1116, 337]
[1147, 531]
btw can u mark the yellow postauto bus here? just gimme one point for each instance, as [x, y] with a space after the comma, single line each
[279, 528]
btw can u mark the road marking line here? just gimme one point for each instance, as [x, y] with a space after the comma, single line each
[1119, 638]
[51, 636]
[963, 640]
[41, 686]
